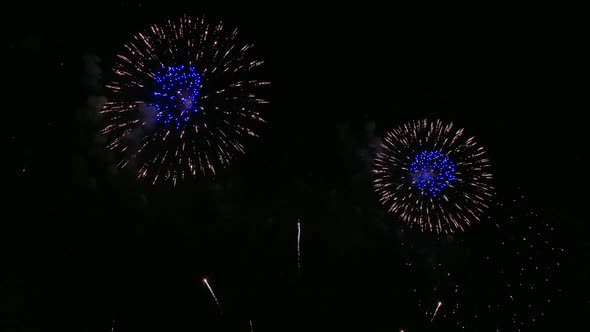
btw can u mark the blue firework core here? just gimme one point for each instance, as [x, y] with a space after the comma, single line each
[431, 172]
[176, 94]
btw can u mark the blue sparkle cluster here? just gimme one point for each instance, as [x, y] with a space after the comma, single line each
[176, 94]
[431, 172]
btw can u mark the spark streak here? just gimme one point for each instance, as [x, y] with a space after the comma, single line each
[212, 294]
[251, 326]
[435, 311]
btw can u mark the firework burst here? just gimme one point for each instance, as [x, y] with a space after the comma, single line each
[182, 100]
[433, 176]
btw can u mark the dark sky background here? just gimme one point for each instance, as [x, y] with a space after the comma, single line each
[83, 245]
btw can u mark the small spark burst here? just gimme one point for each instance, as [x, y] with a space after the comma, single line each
[182, 100]
[213, 294]
[433, 176]
[435, 311]
[299, 247]
[518, 254]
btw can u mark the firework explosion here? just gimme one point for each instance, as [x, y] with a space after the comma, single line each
[182, 100]
[431, 175]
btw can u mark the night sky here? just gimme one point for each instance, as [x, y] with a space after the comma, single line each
[83, 244]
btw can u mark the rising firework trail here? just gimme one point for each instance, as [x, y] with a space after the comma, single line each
[435, 311]
[299, 247]
[251, 326]
[213, 294]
